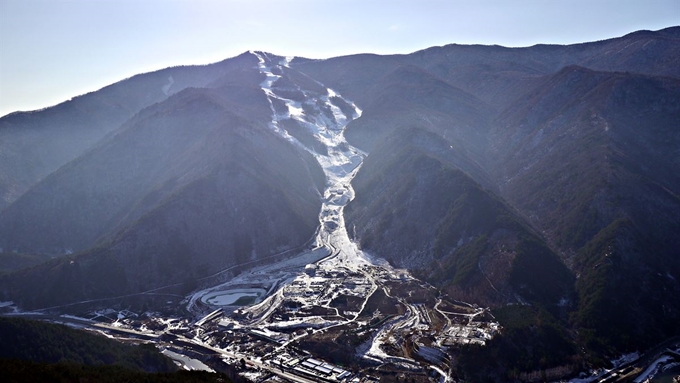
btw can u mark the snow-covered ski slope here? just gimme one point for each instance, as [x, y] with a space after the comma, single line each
[323, 114]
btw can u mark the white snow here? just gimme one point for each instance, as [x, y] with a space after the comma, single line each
[21, 313]
[272, 275]
[166, 87]
[653, 368]
[306, 322]
[76, 318]
[444, 376]
[626, 358]
[229, 297]
[105, 312]
[295, 111]
[186, 362]
[6, 303]
[286, 60]
[371, 348]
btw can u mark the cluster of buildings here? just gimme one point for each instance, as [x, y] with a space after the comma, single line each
[317, 287]
[471, 333]
[313, 368]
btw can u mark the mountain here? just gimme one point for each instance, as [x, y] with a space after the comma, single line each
[582, 133]
[581, 141]
[416, 208]
[193, 184]
[34, 144]
[498, 75]
[541, 181]
[592, 158]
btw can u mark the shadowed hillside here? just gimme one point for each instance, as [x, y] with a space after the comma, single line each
[34, 144]
[186, 188]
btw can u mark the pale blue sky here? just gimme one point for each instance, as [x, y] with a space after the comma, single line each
[52, 50]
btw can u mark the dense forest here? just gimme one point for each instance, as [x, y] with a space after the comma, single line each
[35, 351]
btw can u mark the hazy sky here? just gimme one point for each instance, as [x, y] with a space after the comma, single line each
[52, 50]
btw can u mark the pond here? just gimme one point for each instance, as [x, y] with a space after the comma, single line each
[236, 297]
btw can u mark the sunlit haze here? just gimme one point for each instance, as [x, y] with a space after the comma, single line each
[52, 50]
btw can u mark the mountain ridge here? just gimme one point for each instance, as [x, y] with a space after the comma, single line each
[544, 175]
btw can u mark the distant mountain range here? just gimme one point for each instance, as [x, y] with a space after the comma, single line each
[547, 176]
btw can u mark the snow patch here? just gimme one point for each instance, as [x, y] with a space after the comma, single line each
[625, 359]
[166, 87]
[286, 61]
[653, 369]
[186, 362]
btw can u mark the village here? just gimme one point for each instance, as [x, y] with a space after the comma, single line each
[331, 321]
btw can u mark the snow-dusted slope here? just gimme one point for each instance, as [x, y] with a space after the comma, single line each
[323, 114]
